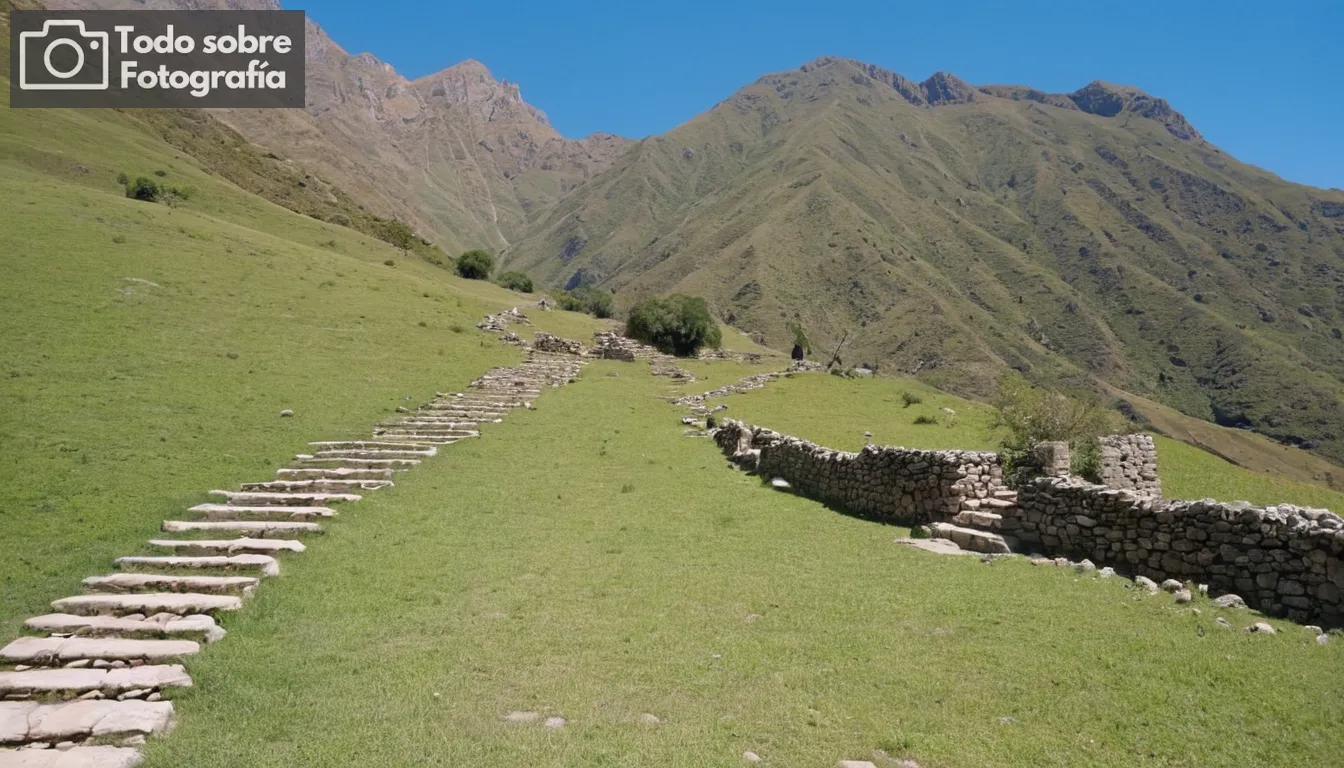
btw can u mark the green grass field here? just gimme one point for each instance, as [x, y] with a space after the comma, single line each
[586, 560]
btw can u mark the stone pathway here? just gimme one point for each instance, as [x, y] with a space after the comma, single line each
[87, 686]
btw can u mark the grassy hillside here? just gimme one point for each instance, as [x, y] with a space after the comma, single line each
[625, 570]
[991, 230]
[148, 349]
[836, 412]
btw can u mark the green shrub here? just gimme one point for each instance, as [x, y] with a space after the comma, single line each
[677, 325]
[516, 281]
[123, 179]
[921, 419]
[144, 188]
[475, 265]
[1032, 415]
[587, 298]
[396, 232]
[909, 399]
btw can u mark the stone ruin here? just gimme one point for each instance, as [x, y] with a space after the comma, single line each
[547, 342]
[499, 321]
[610, 345]
[1283, 560]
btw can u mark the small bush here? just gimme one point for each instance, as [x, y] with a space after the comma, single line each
[475, 265]
[457, 328]
[1032, 415]
[118, 239]
[390, 263]
[677, 325]
[516, 281]
[587, 298]
[160, 173]
[910, 398]
[921, 419]
[395, 232]
[123, 179]
[144, 188]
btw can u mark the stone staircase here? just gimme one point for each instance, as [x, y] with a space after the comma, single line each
[980, 524]
[87, 686]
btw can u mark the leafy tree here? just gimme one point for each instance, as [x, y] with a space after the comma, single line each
[396, 232]
[475, 265]
[145, 188]
[587, 298]
[516, 281]
[677, 325]
[1032, 415]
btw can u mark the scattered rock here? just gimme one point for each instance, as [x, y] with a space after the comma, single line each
[1315, 630]
[287, 412]
[1146, 583]
[650, 719]
[555, 722]
[1182, 596]
[1085, 566]
[1106, 573]
[751, 757]
[1229, 601]
[1172, 585]
[780, 483]
[1007, 720]
[1220, 621]
[1322, 639]
[855, 764]
[519, 716]
[1203, 590]
[1260, 628]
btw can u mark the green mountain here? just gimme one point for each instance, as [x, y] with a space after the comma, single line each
[956, 232]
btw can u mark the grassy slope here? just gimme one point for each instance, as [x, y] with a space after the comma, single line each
[148, 350]
[619, 571]
[836, 412]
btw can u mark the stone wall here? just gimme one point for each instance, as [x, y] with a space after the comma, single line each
[1130, 462]
[546, 342]
[902, 485]
[1283, 560]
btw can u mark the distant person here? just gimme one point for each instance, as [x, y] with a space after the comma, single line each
[797, 351]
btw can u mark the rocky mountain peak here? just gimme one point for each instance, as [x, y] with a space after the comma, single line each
[1109, 100]
[945, 88]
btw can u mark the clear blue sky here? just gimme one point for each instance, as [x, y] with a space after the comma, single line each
[1264, 81]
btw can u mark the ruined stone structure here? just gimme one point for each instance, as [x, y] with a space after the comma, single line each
[897, 484]
[1130, 462]
[1282, 559]
[546, 342]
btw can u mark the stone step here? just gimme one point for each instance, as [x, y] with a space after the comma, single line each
[971, 504]
[262, 565]
[29, 722]
[75, 757]
[429, 423]
[486, 411]
[326, 446]
[307, 462]
[109, 682]
[375, 453]
[180, 603]
[1004, 493]
[221, 512]
[333, 473]
[997, 503]
[239, 546]
[282, 499]
[427, 431]
[441, 440]
[316, 486]
[47, 651]
[122, 583]
[976, 519]
[972, 539]
[261, 529]
[196, 626]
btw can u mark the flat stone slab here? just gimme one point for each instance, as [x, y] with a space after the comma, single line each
[334, 473]
[120, 583]
[970, 538]
[316, 486]
[936, 546]
[194, 626]
[55, 650]
[374, 453]
[268, 498]
[219, 512]
[148, 604]
[325, 462]
[371, 445]
[263, 529]
[81, 720]
[441, 440]
[264, 565]
[77, 757]
[244, 545]
[108, 681]
[432, 422]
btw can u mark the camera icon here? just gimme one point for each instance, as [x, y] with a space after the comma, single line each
[63, 57]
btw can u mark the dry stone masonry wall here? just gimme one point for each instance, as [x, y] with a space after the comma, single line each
[1130, 462]
[1283, 560]
[86, 686]
[897, 484]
